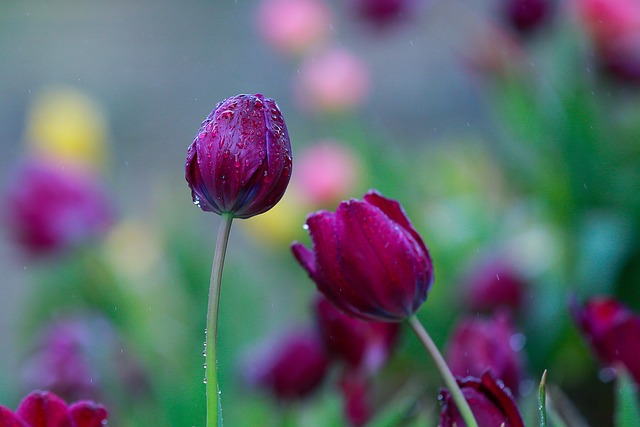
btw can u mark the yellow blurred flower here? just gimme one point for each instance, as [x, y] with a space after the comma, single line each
[66, 124]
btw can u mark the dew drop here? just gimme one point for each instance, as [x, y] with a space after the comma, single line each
[305, 226]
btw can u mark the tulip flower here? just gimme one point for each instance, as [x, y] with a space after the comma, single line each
[238, 166]
[51, 207]
[493, 284]
[42, 408]
[293, 368]
[240, 160]
[491, 403]
[367, 259]
[612, 331]
[370, 262]
[294, 26]
[478, 345]
[362, 345]
[383, 12]
[526, 15]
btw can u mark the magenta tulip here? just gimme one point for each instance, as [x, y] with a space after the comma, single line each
[491, 404]
[42, 408]
[612, 330]
[367, 259]
[240, 160]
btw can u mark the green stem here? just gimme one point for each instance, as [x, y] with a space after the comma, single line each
[214, 415]
[445, 372]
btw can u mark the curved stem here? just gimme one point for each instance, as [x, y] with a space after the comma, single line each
[211, 362]
[445, 372]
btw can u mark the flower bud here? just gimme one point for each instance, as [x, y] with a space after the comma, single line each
[493, 284]
[240, 160]
[478, 345]
[612, 330]
[292, 368]
[491, 403]
[362, 345]
[367, 259]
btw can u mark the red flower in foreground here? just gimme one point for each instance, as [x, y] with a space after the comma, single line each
[367, 259]
[240, 160]
[45, 409]
[478, 345]
[612, 330]
[491, 404]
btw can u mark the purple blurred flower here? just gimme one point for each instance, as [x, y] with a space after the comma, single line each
[491, 404]
[612, 330]
[367, 259]
[362, 345]
[240, 160]
[292, 368]
[493, 284]
[51, 207]
[45, 409]
[526, 15]
[355, 393]
[478, 345]
[383, 12]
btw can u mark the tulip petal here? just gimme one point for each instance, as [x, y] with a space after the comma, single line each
[44, 409]
[88, 414]
[9, 419]
[305, 257]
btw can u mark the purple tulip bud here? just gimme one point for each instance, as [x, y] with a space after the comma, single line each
[612, 330]
[491, 404]
[43, 408]
[53, 207]
[493, 284]
[526, 15]
[240, 160]
[362, 345]
[292, 368]
[478, 345]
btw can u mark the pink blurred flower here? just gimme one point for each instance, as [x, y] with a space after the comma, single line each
[362, 345]
[291, 368]
[326, 173]
[334, 81]
[614, 28]
[492, 284]
[612, 330]
[44, 409]
[51, 207]
[294, 26]
[478, 345]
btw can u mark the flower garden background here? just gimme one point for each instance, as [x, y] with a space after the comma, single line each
[508, 131]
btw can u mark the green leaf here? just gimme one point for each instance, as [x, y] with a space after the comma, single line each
[627, 409]
[542, 396]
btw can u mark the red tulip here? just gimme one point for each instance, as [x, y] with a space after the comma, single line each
[240, 160]
[491, 404]
[612, 330]
[45, 409]
[367, 259]
[478, 345]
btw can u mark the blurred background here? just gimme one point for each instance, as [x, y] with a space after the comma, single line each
[508, 129]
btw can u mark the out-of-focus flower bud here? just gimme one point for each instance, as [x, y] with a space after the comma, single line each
[332, 82]
[51, 207]
[240, 160]
[612, 331]
[491, 404]
[326, 173]
[42, 408]
[383, 12]
[614, 28]
[367, 259]
[362, 345]
[478, 345]
[526, 15]
[294, 26]
[492, 284]
[67, 125]
[292, 368]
